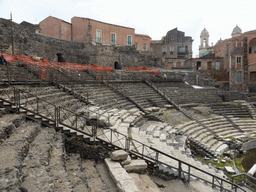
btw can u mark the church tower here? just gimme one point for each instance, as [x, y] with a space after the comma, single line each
[204, 44]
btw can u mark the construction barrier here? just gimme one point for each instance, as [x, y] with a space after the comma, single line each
[43, 63]
[46, 64]
[8, 57]
[43, 74]
[143, 69]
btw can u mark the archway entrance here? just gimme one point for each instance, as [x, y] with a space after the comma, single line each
[252, 46]
[253, 76]
[198, 65]
[117, 65]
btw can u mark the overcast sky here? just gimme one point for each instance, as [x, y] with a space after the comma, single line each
[153, 18]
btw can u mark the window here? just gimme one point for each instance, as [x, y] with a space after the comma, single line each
[171, 49]
[144, 47]
[98, 35]
[179, 39]
[136, 45]
[164, 50]
[217, 65]
[129, 40]
[239, 76]
[209, 65]
[151, 49]
[239, 62]
[113, 38]
[181, 49]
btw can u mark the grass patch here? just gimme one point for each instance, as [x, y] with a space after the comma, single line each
[231, 138]
[249, 160]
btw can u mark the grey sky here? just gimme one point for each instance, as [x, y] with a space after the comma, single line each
[153, 18]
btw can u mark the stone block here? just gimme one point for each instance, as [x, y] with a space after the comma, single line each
[118, 155]
[136, 166]
[112, 164]
[127, 186]
[155, 109]
[169, 106]
[119, 175]
[127, 161]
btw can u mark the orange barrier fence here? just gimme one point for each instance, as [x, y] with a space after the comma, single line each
[55, 65]
[43, 74]
[9, 58]
[142, 69]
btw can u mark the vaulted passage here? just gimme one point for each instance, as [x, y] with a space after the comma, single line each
[117, 65]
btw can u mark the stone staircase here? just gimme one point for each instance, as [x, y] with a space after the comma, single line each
[103, 96]
[183, 93]
[33, 158]
[235, 109]
[141, 93]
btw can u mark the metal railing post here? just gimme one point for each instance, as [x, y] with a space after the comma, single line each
[188, 174]
[37, 104]
[76, 121]
[157, 156]
[111, 132]
[180, 170]
[213, 182]
[127, 144]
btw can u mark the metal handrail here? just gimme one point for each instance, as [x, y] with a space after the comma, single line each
[244, 181]
[151, 155]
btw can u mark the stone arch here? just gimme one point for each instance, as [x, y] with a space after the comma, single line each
[117, 65]
[252, 46]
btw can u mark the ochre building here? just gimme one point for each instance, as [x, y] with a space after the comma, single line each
[94, 32]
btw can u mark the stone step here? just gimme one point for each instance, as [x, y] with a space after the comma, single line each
[14, 150]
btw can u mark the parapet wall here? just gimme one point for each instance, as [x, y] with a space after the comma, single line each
[28, 42]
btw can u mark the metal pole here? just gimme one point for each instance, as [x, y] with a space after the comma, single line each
[179, 170]
[12, 35]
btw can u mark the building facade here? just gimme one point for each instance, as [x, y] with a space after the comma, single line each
[94, 32]
[57, 28]
[174, 48]
[239, 53]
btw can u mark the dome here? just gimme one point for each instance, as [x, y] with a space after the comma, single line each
[204, 33]
[236, 32]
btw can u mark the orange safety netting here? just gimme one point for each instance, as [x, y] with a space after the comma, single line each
[43, 74]
[8, 57]
[55, 65]
[142, 69]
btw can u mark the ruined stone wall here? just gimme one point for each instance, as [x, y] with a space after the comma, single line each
[27, 42]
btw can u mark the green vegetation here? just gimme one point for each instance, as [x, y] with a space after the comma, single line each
[249, 160]
[231, 138]
[221, 165]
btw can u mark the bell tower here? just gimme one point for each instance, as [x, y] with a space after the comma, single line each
[204, 44]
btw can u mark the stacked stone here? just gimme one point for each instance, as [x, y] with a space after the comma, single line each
[120, 174]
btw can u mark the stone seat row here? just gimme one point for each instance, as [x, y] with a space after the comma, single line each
[151, 137]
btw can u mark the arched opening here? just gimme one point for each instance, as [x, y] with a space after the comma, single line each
[252, 46]
[204, 42]
[117, 65]
[198, 65]
[253, 76]
[60, 57]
